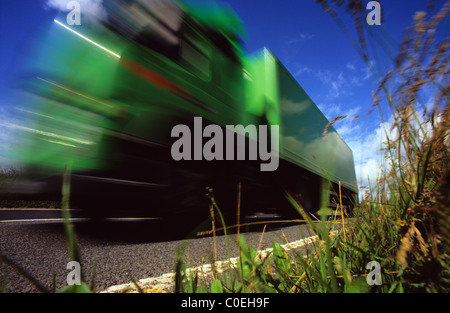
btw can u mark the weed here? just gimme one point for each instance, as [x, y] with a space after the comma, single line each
[403, 221]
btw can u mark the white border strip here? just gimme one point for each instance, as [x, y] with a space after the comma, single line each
[166, 281]
[43, 220]
[80, 219]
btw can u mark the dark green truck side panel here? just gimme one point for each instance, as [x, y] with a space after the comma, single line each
[302, 124]
[302, 135]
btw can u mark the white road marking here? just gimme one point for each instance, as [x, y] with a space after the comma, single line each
[37, 209]
[40, 220]
[79, 219]
[166, 281]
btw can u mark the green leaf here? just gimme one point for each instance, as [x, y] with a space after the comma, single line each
[359, 285]
[247, 262]
[82, 288]
[216, 286]
[281, 259]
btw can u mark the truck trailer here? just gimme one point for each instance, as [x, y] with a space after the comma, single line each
[108, 94]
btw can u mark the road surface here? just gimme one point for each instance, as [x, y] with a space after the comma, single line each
[122, 247]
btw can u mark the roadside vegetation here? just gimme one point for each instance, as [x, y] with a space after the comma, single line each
[403, 220]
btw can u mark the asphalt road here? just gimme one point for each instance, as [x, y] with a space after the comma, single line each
[122, 248]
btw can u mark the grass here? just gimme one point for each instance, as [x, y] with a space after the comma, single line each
[403, 221]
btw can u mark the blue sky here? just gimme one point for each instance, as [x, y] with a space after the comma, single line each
[306, 39]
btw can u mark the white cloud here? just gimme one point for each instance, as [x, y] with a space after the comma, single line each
[291, 107]
[338, 86]
[325, 76]
[89, 8]
[367, 71]
[365, 143]
[369, 158]
[6, 133]
[335, 84]
[332, 110]
[367, 152]
[302, 69]
[350, 66]
[301, 38]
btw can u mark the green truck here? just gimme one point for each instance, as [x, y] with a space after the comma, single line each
[109, 93]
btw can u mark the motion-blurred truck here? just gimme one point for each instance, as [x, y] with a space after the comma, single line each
[108, 93]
